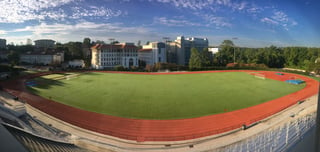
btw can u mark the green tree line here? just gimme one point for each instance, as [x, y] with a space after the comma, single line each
[273, 57]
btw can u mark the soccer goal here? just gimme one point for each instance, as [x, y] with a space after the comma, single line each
[260, 76]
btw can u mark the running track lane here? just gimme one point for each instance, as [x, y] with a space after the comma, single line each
[164, 130]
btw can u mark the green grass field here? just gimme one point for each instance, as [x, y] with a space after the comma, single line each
[161, 96]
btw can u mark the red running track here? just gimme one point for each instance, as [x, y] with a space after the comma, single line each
[165, 130]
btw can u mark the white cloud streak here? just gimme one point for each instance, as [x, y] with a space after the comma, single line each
[19, 11]
[93, 11]
[269, 21]
[279, 18]
[174, 22]
[218, 21]
[206, 9]
[2, 32]
[67, 32]
[203, 4]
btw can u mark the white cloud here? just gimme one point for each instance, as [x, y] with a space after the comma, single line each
[281, 19]
[2, 32]
[68, 32]
[217, 21]
[174, 22]
[202, 4]
[207, 10]
[178, 21]
[93, 11]
[19, 11]
[254, 10]
[280, 16]
[269, 21]
[204, 9]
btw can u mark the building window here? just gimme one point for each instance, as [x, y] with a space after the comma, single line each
[130, 62]
[159, 51]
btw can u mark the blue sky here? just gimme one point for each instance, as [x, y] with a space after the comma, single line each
[256, 23]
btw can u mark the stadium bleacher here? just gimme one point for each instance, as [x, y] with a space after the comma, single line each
[39, 144]
[280, 138]
[17, 133]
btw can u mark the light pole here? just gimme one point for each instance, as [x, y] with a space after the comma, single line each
[166, 39]
[111, 41]
[234, 51]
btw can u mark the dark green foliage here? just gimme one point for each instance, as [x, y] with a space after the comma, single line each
[74, 51]
[273, 57]
[13, 58]
[206, 57]
[227, 43]
[314, 67]
[115, 42]
[119, 68]
[86, 43]
[20, 48]
[5, 68]
[99, 42]
[195, 61]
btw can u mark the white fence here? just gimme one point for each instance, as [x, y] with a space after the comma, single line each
[279, 138]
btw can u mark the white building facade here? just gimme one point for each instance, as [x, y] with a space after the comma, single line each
[44, 57]
[153, 53]
[76, 64]
[213, 50]
[44, 43]
[110, 56]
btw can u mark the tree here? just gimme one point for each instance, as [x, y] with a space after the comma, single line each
[195, 59]
[86, 42]
[139, 44]
[228, 43]
[74, 51]
[119, 68]
[115, 42]
[226, 53]
[100, 42]
[13, 58]
[206, 57]
[315, 67]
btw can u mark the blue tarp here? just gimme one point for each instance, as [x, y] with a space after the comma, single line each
[31, 83]
[295, 81]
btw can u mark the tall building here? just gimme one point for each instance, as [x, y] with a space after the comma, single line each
[44, 43]
[153, 53]
[3, 43]
[111, 55]
[29, 42]
[180, 49]
[172, 50]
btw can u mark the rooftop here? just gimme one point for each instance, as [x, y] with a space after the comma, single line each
[117, 46]
[144, 50]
